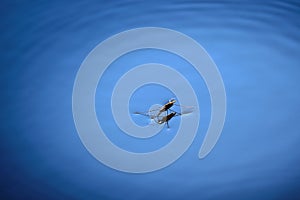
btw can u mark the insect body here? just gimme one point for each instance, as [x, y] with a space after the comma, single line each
[167, 118]
[166, 107]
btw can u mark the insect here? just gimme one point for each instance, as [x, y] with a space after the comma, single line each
[166, 107]
[161, 115]
[167, 118]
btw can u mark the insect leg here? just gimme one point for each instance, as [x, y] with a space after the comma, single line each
[177, 113]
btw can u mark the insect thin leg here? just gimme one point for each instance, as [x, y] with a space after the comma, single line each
[178, 113]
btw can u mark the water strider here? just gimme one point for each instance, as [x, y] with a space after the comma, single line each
[162, 116]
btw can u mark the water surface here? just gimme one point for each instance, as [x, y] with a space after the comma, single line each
[256, 48]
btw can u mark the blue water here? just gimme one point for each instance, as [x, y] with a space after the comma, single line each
[256, 47]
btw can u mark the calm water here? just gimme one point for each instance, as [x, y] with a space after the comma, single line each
[256, 47]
